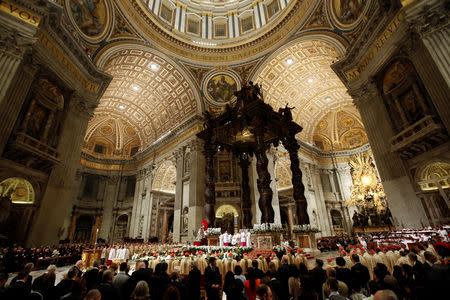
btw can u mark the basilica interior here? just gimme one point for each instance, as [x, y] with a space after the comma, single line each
[102, 103]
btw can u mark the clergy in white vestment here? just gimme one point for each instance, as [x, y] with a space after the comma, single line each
[221, 240]
[112, 254]
[226, 239]
[248, 242]
[243, 239]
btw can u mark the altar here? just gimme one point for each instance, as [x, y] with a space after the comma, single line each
[89, 256]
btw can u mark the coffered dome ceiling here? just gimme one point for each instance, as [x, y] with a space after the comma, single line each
[149, 93]
[300, 75]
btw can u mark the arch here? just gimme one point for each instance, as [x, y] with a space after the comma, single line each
[226, 209]
[165, 177]
[17, 190]
[434, 175]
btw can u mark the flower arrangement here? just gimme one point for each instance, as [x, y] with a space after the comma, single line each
[213, 232]
[239, 251]
[306, 228]
[267, 228]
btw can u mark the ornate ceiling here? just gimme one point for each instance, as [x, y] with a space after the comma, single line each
[148, 93]
[340, 129]
[300, 75]
[153, 91]
[116, 135]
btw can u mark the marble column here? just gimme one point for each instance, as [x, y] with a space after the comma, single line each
[196, 187]
[17, 70]
[72, 226]
[55, 204]
[109, 201]
[210, 190]
[178, 161]
[135, 215]
[322, 213]
[428, 46]
[404, 204]
[165, 225]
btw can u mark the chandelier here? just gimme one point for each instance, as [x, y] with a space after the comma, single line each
[367, 193]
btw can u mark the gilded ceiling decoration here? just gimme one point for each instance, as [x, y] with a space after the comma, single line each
[165, 178]
[111, 136]
[434, 176]
[301, 76]
[340, 129]
[283, 172]
[205, 37]
[17, 190]
[148, 92]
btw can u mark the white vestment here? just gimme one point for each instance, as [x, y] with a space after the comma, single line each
[112, 254]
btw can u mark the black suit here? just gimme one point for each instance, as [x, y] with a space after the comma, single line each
[18, 290]
[193, 283]
[360, 275]
[318, 277]
[91, 278]
[344, 275]
[108, 291]
[212, 276]
[283, 277]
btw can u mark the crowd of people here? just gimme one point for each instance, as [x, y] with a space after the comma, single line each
[355, 274]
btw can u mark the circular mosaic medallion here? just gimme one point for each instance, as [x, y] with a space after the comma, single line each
[346, 14]
[219, 87]
[91, 17]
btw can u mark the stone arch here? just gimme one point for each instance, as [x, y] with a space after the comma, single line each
[165, 178]
[226, 209]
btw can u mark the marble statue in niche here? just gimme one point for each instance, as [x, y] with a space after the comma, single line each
[185, 218]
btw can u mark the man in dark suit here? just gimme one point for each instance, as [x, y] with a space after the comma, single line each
[318, 277]
[106, 288]
[19, 289]
[212, 280]
[360, 273]
[193, 282]
[91, 276]
[283, 277]
[259, 273]
[342, 273]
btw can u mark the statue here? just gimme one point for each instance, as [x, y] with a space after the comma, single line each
[185, 218]
[286, 113]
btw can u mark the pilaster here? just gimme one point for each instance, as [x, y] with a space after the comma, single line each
[178, 160]
[196, 187]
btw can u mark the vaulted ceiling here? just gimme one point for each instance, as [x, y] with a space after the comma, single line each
[300, 75]
[148, 92]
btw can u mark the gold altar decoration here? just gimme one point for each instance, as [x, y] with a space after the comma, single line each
[367, 191]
